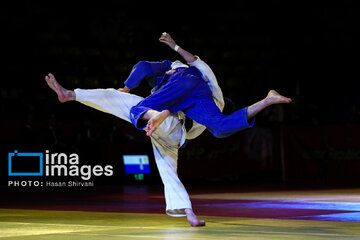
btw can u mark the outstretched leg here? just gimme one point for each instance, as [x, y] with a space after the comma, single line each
[155, 119]
[273, 97]
[204, 111]
[63, 94]
[192, 218]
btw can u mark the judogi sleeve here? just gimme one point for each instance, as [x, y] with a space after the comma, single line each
[147, 70]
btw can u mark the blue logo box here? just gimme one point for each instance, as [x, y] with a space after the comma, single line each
[16, 153]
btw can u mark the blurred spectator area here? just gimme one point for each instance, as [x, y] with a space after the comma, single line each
[310, 57]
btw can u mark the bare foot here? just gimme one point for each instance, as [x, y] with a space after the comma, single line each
[155, 121]
[192, 218]
[274, 97]
[63, 94]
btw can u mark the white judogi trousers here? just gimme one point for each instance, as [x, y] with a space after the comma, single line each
[166, 141]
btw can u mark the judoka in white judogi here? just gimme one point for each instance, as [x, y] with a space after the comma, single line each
[166, 140]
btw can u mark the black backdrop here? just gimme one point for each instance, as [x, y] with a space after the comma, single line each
[309, 54]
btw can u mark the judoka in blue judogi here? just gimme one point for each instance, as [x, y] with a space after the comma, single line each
[178, 87]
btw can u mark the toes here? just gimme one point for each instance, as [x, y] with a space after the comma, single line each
[152, 130]
[149, 124]
[148, 133]
[148, 128]
[51, 76]
[197, 223]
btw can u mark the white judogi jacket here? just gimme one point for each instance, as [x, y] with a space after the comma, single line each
[166, 140]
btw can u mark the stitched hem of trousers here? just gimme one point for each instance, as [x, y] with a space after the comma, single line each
[136, 117]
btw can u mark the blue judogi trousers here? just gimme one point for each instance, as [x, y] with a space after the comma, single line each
[185, 90]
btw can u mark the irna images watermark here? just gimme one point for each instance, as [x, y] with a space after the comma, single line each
[29, 165]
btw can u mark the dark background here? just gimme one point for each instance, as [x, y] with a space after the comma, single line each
[306, 53]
